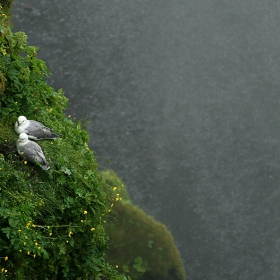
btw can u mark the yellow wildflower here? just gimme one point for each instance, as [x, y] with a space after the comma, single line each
[85, 212]
[51, 109]
[50, 234]
[69, 116]
[6, 258]
[92, 229]
[24, 243]
[25, 162]
[28, 252]
[3, 51]
[36, 244]
[70, 233]
[34, 256]
[114, 188]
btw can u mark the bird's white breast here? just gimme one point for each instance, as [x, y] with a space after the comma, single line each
[21, 128]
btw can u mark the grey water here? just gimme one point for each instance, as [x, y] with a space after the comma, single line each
[183, 98]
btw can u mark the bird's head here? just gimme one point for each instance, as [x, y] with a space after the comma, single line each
[23, 137]
[21, 120]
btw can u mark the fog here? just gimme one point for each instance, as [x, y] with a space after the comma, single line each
[182, 98]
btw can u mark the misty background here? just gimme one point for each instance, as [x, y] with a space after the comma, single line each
[183, 98]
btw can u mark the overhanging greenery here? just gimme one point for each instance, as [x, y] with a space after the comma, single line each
[51, 221]
[140, 247]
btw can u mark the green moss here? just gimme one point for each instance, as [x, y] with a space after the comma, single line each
[140, 246]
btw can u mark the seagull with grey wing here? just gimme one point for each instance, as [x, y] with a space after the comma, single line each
[31, 151]
[34, 129]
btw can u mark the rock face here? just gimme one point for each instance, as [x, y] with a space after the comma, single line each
[184, 94]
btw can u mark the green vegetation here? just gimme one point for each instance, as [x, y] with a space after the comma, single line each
[138, 245]
[51, 222]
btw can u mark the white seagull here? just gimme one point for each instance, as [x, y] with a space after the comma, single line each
[31, 151]
[35, 130]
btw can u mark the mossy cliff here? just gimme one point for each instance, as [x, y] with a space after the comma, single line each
[138, 245]
[51, 222]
